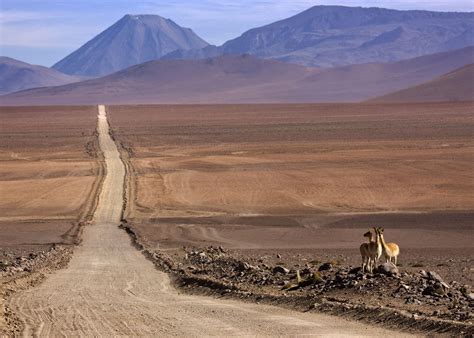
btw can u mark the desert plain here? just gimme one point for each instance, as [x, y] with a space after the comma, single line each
[300, 176]
[49, 175]
[275, 185]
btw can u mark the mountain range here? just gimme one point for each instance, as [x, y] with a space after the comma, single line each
[132, 40]
[324, 54]
[246, 79]
[16, 75]
[331, 36]
[322, 36]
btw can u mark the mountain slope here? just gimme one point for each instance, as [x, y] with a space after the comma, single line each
[163, 81]
[132, 40]
[17, 75]
[454, 86]
[245, 79]
[329, 36]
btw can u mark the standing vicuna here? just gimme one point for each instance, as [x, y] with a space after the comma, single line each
[390, 250]
[370, 252]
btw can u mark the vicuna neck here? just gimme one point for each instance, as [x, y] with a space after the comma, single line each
[384, 245]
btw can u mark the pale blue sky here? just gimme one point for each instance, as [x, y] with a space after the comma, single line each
[44, 31]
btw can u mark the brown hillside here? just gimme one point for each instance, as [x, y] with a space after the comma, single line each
[454, 86]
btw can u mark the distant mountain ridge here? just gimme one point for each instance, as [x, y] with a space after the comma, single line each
[134, 39]
[17, 75]
[330, 36]
[245, 79]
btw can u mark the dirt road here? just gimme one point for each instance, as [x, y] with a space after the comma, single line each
[109, 288]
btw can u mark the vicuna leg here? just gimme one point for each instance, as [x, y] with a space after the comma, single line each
[364, 264]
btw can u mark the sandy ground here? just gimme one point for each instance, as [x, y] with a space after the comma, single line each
[49, 172]
[300, 176]
[305, 182]
[294, 184]
[109, 288]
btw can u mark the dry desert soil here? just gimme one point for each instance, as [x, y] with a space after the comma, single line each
[301, 176]
[264, 185]
[109, 288]
[297, 186]
[49, 175]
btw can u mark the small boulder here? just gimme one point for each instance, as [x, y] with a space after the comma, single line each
[434, 290]
[281, 269]
[243, 266]
[4, 264]
[437, 278]
[466, 292]
[404, 287]
[325, 267]
[388, 269]
[355, 271]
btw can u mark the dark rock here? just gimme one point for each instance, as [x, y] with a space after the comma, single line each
[325, 267]
[355, 271]
[412, 300]
[305, 271]
[436, 290]
[404, 287]
[281, 269]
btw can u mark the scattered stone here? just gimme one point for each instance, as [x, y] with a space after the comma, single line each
[424, 291]
[388, 269]
[355, 271]
[281, 269]
[436, 277]
[404, 286]
[325, 267]
[412, 300]
[436, 290]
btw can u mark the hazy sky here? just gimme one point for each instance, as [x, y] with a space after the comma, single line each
[44, 31]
